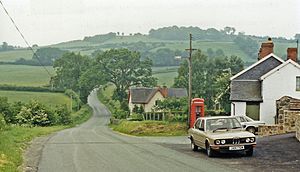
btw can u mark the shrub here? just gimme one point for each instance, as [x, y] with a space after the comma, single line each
[120, 114]
[136, 117]
[33, 114]
[63, 115]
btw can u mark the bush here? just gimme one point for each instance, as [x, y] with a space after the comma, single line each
[63, 115]
[136, 117]
[120, 114]
[33, 114]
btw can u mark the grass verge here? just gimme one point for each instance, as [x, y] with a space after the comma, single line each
[150, 128]
[14, 139]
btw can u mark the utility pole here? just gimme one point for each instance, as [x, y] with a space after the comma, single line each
[190, 79]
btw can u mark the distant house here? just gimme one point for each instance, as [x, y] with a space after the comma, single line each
[254, 90]
[147, 97]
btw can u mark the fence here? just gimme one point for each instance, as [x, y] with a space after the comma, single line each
[165, 116]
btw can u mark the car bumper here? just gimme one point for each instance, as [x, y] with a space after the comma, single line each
[225, 148]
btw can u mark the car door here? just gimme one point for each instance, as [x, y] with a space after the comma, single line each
[195, 132]
[199, 133]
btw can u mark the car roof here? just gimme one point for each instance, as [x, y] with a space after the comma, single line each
[216, 117]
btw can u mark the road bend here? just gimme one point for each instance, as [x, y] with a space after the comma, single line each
[93, 147]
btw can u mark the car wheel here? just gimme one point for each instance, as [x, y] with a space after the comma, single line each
[249, 152]
[209, 151]
[251, 130]
[193, 146]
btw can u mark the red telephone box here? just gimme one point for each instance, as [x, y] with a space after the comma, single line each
[197, 110]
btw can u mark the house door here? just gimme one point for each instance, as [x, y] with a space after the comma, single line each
[252, 110]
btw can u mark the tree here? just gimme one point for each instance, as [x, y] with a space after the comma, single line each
[124, 69]
[4, 46]
[69, 69]
[48, 55]
[210, 77]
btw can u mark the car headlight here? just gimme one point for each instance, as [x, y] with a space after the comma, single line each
[223, 142]
[217, 142]
[248, 140]
[252, 139]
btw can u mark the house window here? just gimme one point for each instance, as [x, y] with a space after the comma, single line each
[298, 83]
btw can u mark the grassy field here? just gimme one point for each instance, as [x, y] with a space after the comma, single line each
[22, 75]
[151, 128]
[14, 140]
[50, 99]
[11, 56]
[166, 79]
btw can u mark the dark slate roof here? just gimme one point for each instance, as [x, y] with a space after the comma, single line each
[141, 94]
[177, 92]
[245, 90]
[259, 70]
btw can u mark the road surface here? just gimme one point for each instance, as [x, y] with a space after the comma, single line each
[92, 146]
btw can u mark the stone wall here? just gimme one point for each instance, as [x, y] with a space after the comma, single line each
[298, 127]
[288, 118]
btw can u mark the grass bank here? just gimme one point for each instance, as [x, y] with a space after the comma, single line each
[47, 98]
[14, 139]
[150, 128]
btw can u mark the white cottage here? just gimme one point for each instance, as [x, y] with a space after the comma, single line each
[254, 91]
[147, 97]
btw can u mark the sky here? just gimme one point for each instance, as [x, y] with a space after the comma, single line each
[45, 22]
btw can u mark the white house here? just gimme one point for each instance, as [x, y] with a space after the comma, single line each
[254, 90]
[147, 97]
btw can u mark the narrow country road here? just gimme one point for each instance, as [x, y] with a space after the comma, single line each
[92, 146]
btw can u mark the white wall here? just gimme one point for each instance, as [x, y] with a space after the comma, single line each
[147, 107]
[279, 84]
[238, 108]
[157, 96]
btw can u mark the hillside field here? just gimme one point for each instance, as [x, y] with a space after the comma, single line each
[46, 98]
[11, 56]
[22, 75]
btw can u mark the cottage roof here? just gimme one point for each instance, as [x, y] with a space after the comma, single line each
[142, 95]
[177, 92]
[258, 69]
[279, 67]
[245, 90]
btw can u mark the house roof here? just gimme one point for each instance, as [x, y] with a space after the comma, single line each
[256, 70]
[142, 95]
[279, 67]
[245, 90]
[177, 92]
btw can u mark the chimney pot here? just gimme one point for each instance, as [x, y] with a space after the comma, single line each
[292, 54]
[266, 49]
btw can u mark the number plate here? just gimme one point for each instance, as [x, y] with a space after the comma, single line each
[237, 148]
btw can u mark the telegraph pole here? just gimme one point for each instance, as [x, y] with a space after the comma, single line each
[190, 79]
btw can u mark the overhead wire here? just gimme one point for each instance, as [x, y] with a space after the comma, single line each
[23, 37]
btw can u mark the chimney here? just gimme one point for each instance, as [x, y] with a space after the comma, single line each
[164, 91]
[266, 49]
[292, 54]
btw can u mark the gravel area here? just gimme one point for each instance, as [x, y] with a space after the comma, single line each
[272, 154]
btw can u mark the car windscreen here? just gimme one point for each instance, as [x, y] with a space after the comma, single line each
[222, 123]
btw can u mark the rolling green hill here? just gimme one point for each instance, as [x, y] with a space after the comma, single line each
[22, 75]
[50, 99]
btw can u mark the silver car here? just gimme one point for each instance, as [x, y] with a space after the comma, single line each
[221, 134]
[249, 124]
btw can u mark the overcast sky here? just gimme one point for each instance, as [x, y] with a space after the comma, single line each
[45, 22]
